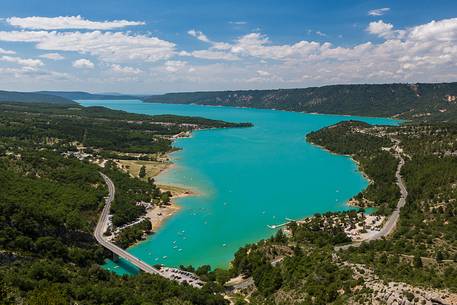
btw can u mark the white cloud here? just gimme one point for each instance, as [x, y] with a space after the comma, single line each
[30, 74]
[443, 30]
[52, 56]
[258, 45]
[68, 22]
[381, 29]
[9, 52]
[83, 63]
[27, 62]
[322, 34]
[378, 11]
[125, 69]
[213, 55]
[175, 65]
[426, 52]
[108, 46]
[199, 35]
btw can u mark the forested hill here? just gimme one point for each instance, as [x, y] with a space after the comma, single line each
[81, 95]
[30, 97]
[422, 102]
[51, 195]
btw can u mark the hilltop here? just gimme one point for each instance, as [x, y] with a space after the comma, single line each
[81, 95]
[30, 97]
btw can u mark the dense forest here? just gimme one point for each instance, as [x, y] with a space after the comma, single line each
[50, 201]
[420, 102]
[427, 229]
[374, 161]
[300, 265]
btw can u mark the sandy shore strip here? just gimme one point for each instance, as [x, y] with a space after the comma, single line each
[158, 215]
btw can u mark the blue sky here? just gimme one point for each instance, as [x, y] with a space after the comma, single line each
[163, 46]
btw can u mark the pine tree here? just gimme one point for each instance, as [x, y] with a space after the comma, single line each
[142, 172]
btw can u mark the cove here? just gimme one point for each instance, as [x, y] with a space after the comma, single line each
[249, 178]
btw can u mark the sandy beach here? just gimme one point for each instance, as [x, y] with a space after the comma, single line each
[158, 215]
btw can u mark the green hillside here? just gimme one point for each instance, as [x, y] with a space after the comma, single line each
[421, 102]
[29, 97]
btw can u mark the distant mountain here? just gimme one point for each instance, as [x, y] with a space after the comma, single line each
[30, 97]
[422, 102]
[80, 95]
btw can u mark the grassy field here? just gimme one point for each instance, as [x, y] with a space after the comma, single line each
[153, 168]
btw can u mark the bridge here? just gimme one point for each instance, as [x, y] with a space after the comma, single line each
[102, 225]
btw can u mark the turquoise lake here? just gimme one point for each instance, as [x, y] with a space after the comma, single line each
[248, 177]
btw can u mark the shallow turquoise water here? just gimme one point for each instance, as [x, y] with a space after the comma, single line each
[249, 178]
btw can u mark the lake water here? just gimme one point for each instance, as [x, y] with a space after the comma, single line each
[249, 178]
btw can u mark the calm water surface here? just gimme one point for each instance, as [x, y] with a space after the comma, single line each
[249, 178]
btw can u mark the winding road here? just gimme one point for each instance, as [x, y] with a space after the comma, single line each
[102, 225]
[391, 222]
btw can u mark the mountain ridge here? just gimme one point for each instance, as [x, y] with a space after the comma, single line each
[32, 97]
[420, 101]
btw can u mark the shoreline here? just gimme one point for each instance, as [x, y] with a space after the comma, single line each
[158, 215]
[351, 202]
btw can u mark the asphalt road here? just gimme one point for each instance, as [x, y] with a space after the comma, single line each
[391, 223]
[168, 273]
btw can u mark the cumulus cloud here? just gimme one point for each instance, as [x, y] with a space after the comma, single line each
[378, 11]
[381, 29]
[125, 69]
[259, 45]
[52, 56]
[3, 51]
[83, 63]
[27, 62]
[68, 22]
[108, 46]
[426, 52]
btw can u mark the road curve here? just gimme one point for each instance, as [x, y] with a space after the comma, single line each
[391, 223]
[103, 224]
[168, 273]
